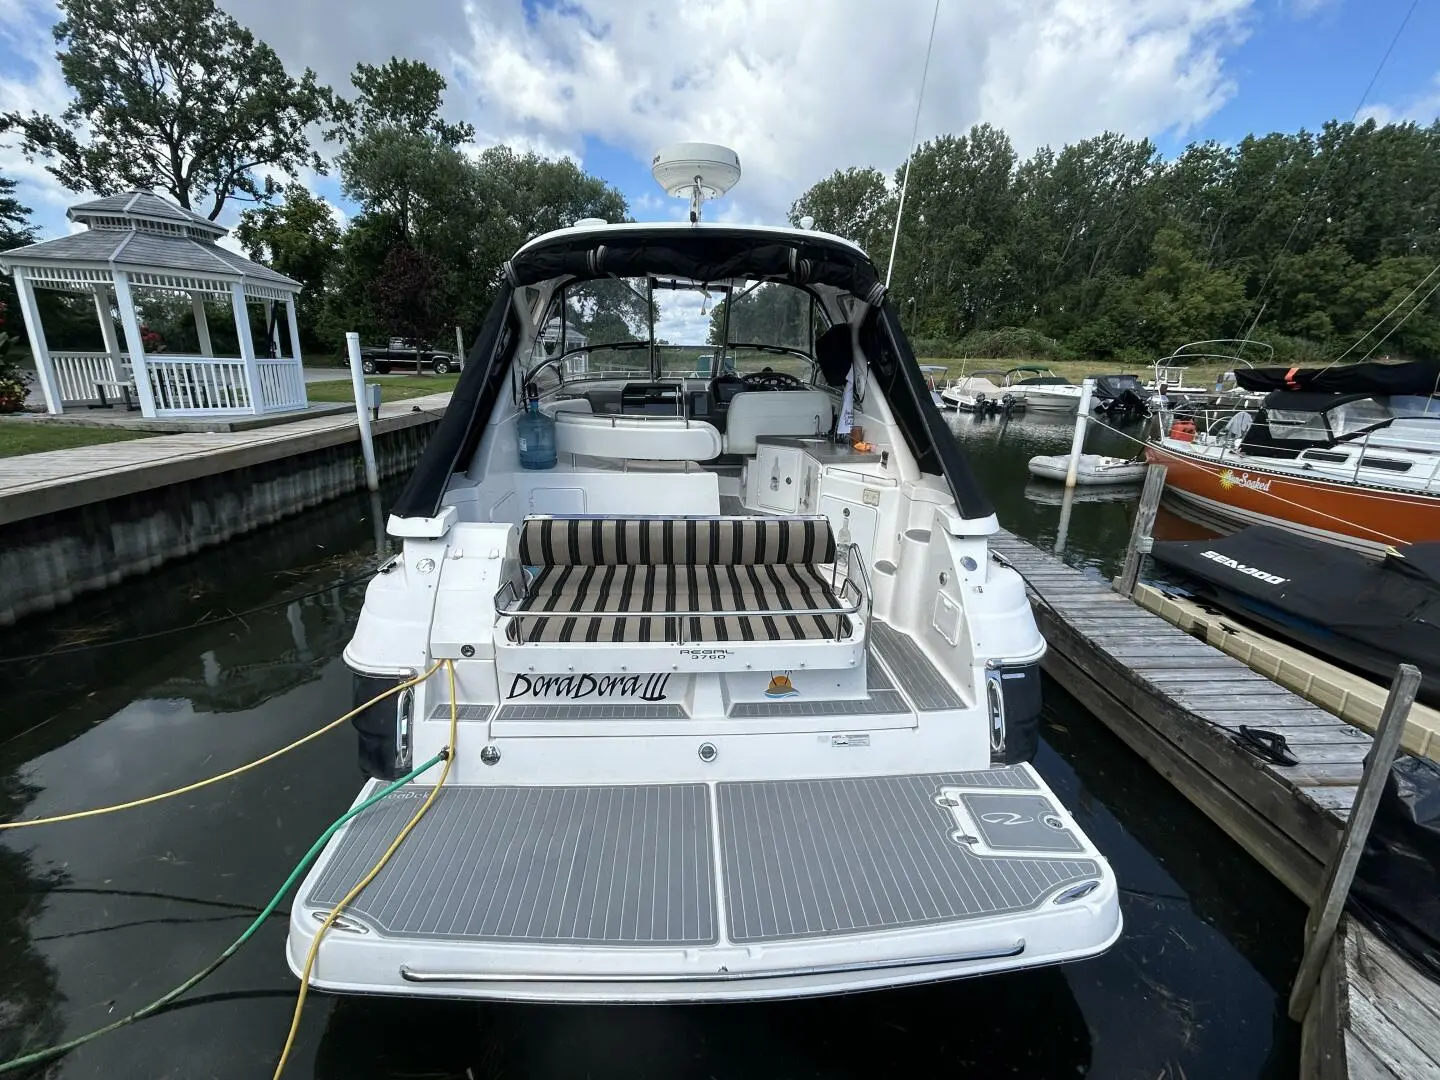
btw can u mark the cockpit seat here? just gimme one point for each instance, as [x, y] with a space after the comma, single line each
[599, 579]
[758, 412]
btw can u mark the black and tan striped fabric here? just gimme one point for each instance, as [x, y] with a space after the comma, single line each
[612, 579]
[718, 541]
[624, 602]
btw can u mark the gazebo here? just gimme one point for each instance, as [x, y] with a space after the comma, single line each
[137, 240]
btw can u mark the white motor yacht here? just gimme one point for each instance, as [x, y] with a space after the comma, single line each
[1042, 390]
[981, 392]
[744, 704]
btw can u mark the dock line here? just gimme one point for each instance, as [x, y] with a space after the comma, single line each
[197, 785]
[449, 755]
[37, 1057]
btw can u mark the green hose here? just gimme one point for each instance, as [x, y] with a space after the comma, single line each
[50, 1052]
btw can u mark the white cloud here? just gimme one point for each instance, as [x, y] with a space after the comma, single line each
[1423, 108]
[797, 89]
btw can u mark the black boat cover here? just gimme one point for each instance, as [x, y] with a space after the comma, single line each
[1397, 884]
[1374, 377]
[1391, 606]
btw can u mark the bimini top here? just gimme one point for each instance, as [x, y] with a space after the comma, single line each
[1373, 377]
[698, 253]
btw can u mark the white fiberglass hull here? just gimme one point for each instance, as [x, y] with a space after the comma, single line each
[744, 920]
[1044, 399]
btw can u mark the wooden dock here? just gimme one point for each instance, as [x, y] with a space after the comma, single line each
[1179, 703]
[35, 484]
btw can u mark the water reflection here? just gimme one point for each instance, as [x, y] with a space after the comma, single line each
[101, 917]
[1025, 1025]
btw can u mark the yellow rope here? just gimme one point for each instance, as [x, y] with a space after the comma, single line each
[369, 877]
[77, 815]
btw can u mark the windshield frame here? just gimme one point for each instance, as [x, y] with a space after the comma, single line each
[554, 309]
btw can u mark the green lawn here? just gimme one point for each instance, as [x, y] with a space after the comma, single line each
[392, 387]
[33, 437]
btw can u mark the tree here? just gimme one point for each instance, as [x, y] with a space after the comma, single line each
[407, 295]
[300, 238]
[15, 231]
[855, 203]
[403, 94]
[174, 95]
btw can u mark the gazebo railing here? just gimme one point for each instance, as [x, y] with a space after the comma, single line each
[77, 373]
[185, 385]
[282, 385]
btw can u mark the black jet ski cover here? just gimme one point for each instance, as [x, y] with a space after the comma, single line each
[1397, 884]
[1374, 377]
[1338, 600]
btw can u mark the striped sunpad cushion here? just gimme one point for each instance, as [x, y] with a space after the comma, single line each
[581, 602]
[721, 541]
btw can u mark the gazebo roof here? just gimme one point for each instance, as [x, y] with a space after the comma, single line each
[154, 241]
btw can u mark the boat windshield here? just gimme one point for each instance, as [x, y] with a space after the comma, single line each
[666, 328]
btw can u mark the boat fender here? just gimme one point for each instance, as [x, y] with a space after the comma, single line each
[1020, 688]
[1183, 431]
[1269, 745]
[377, 729]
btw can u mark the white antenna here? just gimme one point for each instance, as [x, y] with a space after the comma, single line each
[698, 171]
[914, 134]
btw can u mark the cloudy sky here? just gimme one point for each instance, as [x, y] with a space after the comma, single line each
[801, 88]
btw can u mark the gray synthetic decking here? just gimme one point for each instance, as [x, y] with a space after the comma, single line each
[816, 858]
[598, 710]
[635, 865]
[546, 865]
[924, 685]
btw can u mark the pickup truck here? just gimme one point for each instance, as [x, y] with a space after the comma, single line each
[400, 355]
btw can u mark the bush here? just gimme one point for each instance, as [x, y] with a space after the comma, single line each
[936, 348]
[1292, 351]
[1011, 343]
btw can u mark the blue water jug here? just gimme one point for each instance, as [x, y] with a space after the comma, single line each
[537, 438]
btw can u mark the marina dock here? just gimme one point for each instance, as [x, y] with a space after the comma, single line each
[1179, 703]
[81, 519]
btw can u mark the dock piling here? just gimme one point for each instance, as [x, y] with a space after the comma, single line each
[357, 380]
[1325, 914]
[1139, 545]
[1082, 417]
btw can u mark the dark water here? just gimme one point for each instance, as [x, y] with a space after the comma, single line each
[99, 917]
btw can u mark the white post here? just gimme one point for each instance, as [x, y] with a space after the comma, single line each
[295, 348]
[357, 381]
[459, 346]
[134, 345]
[247, 347]
[1062, 533]
[202, 323]
[1081, 419]
[106, 316]
[30, 314]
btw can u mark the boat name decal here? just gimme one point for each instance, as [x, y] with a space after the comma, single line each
[1255, 572]
[585, 685]
[1229, 478]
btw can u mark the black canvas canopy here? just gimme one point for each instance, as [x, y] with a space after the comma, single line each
[1375, 377]
[704, 254]
[700, 254]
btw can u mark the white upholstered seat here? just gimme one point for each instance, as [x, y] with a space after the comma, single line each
[791, 412]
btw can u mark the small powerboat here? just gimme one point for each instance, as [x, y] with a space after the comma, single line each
[1094, 470]
[982, 393]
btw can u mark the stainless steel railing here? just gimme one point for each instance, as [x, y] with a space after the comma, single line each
[508, 599]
